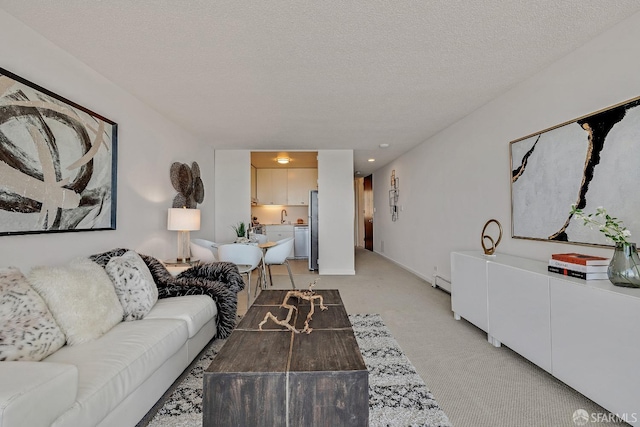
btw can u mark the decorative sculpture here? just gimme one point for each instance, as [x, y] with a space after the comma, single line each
[187, 182]
[394, 193]
[308, 295]
[494, 244]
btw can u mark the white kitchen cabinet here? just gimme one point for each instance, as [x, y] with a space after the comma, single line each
[299, 183]
[279, 232]
[254, 189]
[271, 186]
[285, 186]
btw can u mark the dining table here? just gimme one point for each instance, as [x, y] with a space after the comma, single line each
[264, 246]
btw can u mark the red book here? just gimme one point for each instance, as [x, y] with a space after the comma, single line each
[581, 259]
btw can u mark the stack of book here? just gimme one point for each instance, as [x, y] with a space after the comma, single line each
[582, 266]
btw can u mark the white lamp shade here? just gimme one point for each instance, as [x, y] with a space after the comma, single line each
[181, 219]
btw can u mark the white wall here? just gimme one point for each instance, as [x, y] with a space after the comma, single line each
[233, 192]
[454, 182]
[147, 146]
[336, 212]
[336, 204]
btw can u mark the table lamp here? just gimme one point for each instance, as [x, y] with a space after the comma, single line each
[183, 220]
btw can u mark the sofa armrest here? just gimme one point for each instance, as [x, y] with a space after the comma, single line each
[35, 393]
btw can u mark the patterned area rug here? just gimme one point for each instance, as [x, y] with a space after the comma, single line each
[397, 394]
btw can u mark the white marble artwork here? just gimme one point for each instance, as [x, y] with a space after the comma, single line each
[593, 161]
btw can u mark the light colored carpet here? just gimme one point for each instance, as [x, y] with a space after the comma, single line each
[476, 384]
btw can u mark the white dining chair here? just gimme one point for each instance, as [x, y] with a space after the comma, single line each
[204, 250]
[277, 255]
[261, 238]
[246, 257]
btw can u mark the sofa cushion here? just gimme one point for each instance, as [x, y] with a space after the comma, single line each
[195, 310]
[112, 367]
[36, 393]
[81, 298]
[133, 283]
[29, 331]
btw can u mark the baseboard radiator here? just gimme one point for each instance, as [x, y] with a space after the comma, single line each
[435, 282]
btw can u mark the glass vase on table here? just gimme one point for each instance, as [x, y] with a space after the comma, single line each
[624, 268]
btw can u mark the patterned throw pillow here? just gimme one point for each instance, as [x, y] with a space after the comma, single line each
[134, 285]
[29, 331]
[81, 298]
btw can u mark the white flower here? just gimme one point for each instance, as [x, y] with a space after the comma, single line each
[611, 227]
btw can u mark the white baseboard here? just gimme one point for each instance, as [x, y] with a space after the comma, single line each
[337, 272]
[429, 280]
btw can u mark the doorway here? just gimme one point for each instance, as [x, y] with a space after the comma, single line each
[368, 212]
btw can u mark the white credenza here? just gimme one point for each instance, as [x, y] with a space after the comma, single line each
[585, 333]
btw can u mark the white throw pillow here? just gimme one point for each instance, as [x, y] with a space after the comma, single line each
[81, 298]
[29, 331]
[134, 285]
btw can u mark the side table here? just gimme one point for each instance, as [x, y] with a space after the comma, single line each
[176, 266]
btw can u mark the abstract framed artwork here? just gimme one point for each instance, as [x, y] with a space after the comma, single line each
[592, 161]
[57, 162]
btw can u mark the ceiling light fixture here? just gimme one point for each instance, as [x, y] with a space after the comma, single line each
[372, 160]
[282, 160]
[383, 145]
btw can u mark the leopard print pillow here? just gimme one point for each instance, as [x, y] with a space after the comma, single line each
[29, 332]
[134, 284]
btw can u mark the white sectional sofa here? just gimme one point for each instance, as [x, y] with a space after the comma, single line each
[97, 341]
[111, 381]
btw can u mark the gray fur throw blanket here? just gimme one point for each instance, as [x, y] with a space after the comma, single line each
[219, 280]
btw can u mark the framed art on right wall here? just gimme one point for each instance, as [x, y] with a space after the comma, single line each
[591, 161]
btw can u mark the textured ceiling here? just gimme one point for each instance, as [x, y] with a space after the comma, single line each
[303, 75]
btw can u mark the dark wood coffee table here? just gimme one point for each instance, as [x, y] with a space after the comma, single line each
[276, 377]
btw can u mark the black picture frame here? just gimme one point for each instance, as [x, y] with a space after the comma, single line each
[58, 162]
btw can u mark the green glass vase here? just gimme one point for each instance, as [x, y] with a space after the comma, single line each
[624, 268]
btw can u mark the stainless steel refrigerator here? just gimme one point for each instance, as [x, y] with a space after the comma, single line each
[313, 230]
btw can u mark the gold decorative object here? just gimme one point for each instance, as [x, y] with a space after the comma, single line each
[494, 244]
[308, 295]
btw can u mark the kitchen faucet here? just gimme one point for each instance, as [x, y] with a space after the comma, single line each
[283, 212]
